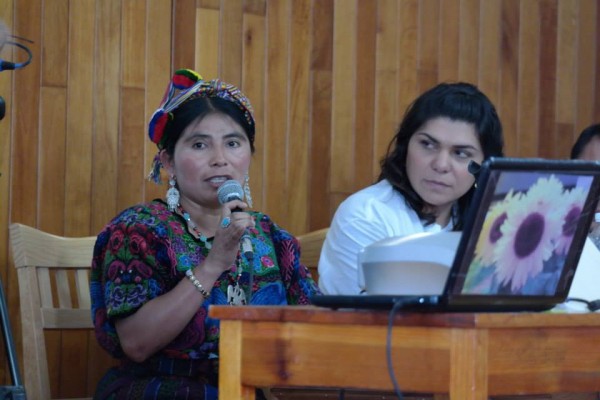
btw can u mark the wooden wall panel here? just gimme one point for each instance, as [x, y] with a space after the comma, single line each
[490, 49]
[275, 133]
[230, 36]
[55, 52]
[107, 108]
[408, 87]
[566, 75]
[253, 76]
[343, 95]
[184, 32]
[298, 149]
[386, 77]
[528, 85]
[469, 35]
[24, 19]
[130, 187]
[366, 49]
[7, 273]
[586, 69]
[80, 120]
[53, 103]
[206, 52]
[548, 42]
[509, 74]
[158, 70]
[133, 53]
[429, 40]
[24, 155]
[448, 61]
[319, 207]
[329, 81]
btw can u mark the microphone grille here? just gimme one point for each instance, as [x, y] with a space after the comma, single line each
[230, 190]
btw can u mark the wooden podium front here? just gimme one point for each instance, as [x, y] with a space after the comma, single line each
[465, 355]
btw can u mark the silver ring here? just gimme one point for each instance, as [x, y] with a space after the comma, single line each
[226, 222]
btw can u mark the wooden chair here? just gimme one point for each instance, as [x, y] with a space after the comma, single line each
[310, 247]
[46, 264]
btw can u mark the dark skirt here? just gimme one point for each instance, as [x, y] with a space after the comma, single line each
[122, 383]
[131, 383]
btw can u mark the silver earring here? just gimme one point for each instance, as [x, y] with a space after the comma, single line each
[247, 193]
[172, 195]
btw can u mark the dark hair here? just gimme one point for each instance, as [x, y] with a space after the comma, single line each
[198, 108]
[459, 102]
[584, 138]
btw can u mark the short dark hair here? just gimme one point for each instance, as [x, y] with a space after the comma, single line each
[458, 101]
[584, 138]
[198, 108]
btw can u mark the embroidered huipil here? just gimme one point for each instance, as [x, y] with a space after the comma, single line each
[142, 254]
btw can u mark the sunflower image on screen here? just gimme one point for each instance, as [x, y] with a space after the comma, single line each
[526, 236]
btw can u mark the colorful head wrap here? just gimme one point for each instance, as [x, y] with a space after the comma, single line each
[185, 86]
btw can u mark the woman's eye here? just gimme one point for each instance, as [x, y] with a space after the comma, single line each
[463, 154]
[233, 143]
[428, 144]
[199, 145]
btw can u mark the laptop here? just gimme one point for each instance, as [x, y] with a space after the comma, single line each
[524, 233]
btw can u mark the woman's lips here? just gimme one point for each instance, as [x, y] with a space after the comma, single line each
[436, 184]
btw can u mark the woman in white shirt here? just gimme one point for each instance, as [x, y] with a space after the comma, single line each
[424, 184]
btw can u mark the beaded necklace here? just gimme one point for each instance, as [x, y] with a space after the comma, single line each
[235, 294]
[192, 225]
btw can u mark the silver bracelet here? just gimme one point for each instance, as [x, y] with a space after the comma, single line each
[190, 275]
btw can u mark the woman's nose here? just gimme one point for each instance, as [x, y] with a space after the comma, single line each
[441, 162]
[218, 157]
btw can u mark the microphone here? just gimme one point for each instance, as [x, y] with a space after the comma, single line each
[474, 168]
[229, 191]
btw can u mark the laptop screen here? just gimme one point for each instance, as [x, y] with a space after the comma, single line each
[526, 229]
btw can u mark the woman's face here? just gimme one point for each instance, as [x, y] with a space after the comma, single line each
[210, 151]
[437, 160]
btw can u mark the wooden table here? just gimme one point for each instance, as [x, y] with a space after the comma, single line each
[468, 355]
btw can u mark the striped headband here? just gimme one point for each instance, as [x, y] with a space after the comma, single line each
[185, 86]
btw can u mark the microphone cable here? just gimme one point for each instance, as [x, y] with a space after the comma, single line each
[250, 259]
[398, 304]
[388, 346]
[593, 305]
[7, 65]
